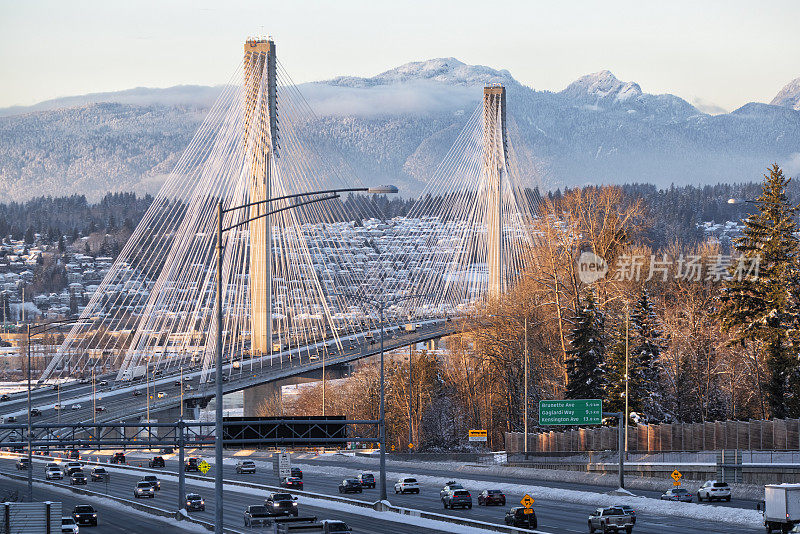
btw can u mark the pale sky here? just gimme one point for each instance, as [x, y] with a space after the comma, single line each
[719, 52]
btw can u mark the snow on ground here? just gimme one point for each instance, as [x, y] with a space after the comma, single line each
[174, 523]
[739, 516]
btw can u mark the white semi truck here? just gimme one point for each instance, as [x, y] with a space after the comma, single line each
[781, 507]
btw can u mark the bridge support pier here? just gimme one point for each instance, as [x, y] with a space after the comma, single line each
[269, 394]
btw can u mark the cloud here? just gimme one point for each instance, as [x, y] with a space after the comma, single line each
[708, 107]
[792, 166]
[413, 98]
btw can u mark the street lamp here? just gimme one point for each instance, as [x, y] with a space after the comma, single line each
[330, 195]
[36, 330]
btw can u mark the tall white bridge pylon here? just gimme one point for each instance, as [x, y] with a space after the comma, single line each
[466, 239]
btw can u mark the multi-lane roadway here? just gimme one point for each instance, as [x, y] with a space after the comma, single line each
[121, 484]
[555, 516]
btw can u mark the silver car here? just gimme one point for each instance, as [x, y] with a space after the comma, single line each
[144, 489]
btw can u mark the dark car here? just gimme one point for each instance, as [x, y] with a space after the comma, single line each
[5, 398]
[118, 458]
[350, 485]
[11, 419]
[457, 498]
[99, 473]
[35, 412]
[367, 480]
[449, 488]
[73, 454]
[84, 514]
[292, 482]
[167, 450]
[516, 517]
[281, 504]
[77, 478]
[677, 494]
[23, 463]
[490, 497]
[192, 464]
[256, 515]
[195, 502]
[297, 472]
[136, 393]
[157, 461]
[153, 481]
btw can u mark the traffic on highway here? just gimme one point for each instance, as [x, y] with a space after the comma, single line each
[454, 498]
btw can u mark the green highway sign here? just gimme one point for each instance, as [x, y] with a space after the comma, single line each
[571, 412]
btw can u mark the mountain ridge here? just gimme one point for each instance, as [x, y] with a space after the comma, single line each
[396, 126]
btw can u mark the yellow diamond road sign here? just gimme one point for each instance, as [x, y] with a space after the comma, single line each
[527, 501]
[204, 466]
[676, 475]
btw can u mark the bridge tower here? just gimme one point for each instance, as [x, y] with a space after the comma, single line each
[495, 167]
[260, 143]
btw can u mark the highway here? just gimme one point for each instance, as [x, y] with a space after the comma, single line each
[554, 515]
[120, 404]
[121, 485]
[113, 519]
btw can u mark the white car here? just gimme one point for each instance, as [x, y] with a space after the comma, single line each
[76, 406]
[69, 526]
[406, 485]
[161, 394]
[714, 490]
[53, 473]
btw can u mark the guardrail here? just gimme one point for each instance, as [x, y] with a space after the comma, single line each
[132, 504]
[378, 506]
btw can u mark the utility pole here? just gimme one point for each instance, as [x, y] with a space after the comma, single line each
[382, 416]
[30, 430]
[218, 508]
[627, 378]
[94, 399]
[525, 415]
[410, 435]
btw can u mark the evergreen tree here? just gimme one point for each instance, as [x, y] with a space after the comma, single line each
[645, 345]
[762, 309]
[614, 377]
[585, 359]
[29, 237]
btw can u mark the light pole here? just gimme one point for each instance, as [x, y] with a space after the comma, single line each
[380, 305]
[331, 194]
[627, 377]
[36, 330]
[525, 379]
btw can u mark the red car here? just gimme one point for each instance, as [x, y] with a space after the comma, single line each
[490, 497]
[292, 482]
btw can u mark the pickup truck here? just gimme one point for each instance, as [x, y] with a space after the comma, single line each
[326, 526]
[612, 519]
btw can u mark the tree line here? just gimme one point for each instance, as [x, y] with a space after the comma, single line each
[692, 332]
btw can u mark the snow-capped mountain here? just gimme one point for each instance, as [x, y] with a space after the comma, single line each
[447, 70]
[397, 126]
[602, 86]
[789, 96]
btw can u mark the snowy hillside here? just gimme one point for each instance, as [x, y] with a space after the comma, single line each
[397, 126]
[789, 96]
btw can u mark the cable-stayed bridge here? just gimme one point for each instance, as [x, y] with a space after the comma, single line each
[300, 280]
